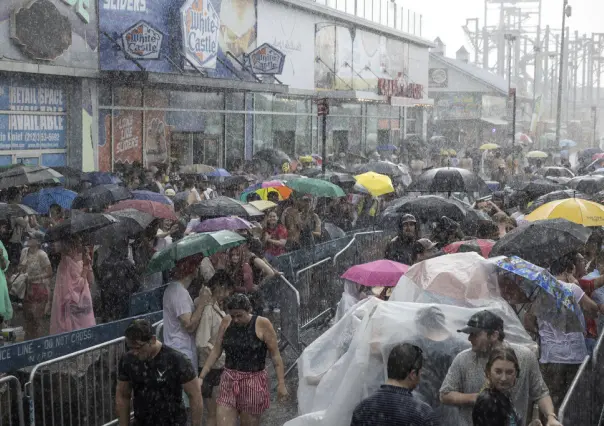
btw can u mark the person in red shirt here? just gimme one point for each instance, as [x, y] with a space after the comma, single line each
[274, 237]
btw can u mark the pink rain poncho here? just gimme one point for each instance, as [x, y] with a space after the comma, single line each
[72, 302]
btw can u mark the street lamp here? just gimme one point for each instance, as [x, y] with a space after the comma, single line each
[566, 12]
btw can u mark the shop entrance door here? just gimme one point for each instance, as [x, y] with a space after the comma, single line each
[195, 148]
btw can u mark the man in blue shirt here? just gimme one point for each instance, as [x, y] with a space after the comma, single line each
[393, 404]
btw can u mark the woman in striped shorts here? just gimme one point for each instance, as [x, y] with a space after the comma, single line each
[246, 339]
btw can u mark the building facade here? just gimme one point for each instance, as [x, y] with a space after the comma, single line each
[48, 72]
[96, 84]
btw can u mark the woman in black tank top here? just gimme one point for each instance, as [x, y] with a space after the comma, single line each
[246, 339]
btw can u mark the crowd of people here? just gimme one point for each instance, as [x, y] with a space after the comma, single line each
[220, 313]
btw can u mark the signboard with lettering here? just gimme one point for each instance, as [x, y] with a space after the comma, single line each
[60, 32]
[398, 88]
[32, 352]
[142, 41]
[266, 60]
[29, 131]
[200, 24]
[196, 33]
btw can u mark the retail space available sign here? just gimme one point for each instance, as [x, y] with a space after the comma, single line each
[142, 41]
[32, 129]
[200, 25]
[266, 59]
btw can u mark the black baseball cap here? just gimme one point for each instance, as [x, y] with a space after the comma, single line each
[483, 320]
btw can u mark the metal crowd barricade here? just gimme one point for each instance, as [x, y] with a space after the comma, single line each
[577, 406]
[313, 283]
[77, 388]
[11, 402]
[598, 376]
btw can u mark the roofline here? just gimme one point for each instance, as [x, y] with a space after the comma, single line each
[472, 76]
[337, 16]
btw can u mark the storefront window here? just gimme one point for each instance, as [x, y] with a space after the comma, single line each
[128, 97]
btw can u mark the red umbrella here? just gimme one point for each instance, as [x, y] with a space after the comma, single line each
[155, 209]
[482, 247]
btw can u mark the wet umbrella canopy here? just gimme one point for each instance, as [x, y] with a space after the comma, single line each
[588, 184]
[537, 187]
[155, 209]
[543, 241]
[224, 206]
[426, 208]
[206, 244]
[15, 210]
[27, 175]
[558, 195]
[316, 187]
[130, 223]
[80, 223]
[42, 200]
[99, 197]
[273, 156]
[449, 179]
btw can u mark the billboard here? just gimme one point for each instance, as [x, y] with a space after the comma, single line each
[28, 131]
[190, 33]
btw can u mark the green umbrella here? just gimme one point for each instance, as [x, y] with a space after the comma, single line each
[207, 244]
[316, 187]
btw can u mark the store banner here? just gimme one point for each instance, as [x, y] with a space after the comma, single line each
[190, 33]
[58, 32]
[32, 131]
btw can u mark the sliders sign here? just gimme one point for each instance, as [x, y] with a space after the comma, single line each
[397, 88]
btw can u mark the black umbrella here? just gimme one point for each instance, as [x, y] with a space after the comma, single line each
[224, 206]
[543, 241]
[15, 210]
[537, 187]
[311, 172]
[557, 195]
[333, 231]
[80, 223]
[100, 197]
[233, 182]
[474, 218]
[588, 184]
[449, 179]
[27, 175]
[273, 156]
[552, 171]
[427, 208]
[130, 222]
[72, 178]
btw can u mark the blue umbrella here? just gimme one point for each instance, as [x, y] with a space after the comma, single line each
[554, 302]
[151, 196]
[102, 178]
[219, 173]
[567, 143]
[388, 147]
[42, 200]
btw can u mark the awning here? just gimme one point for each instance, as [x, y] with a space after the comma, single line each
[495, 121]
[410, 102]
[355, 95]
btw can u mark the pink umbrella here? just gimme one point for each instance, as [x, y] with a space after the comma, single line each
[380, 273]
[232, 223]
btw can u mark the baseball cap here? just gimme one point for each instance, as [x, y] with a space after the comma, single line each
[407, 218]
[483, 320]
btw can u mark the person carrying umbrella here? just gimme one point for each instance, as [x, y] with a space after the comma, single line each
[562, 353]
[302, 223]
[401, 248]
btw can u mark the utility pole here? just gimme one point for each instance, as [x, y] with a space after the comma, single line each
[511, 38]
[566, 11]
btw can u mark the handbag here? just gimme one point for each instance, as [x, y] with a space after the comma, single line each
[18, 285]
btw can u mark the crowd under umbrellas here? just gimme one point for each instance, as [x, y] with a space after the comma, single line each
[212, 229]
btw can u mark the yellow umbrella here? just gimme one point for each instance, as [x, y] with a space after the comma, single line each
[583, 212]
[375, 183]
[489, 146]
[263, 205]
[536, 154]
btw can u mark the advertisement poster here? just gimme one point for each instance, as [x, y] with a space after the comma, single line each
[203, 31]
[356, 59]
[26, 131]
[76, 49]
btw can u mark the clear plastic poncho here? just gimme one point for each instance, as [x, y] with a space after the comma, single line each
[347, 363]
